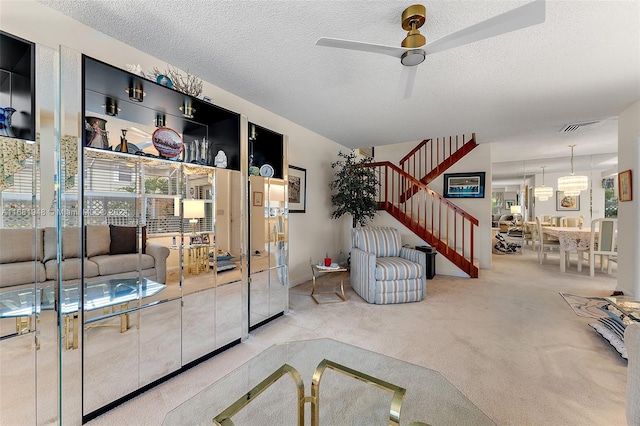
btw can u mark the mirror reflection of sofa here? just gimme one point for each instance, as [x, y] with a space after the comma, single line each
[112, 252]
[503, 221]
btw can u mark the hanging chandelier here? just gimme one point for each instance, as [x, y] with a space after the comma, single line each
[572, 185]
[543, 193]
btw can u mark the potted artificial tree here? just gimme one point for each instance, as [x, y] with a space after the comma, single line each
[356, 187]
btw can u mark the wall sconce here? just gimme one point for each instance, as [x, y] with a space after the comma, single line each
[135, 91]
[160, 120]
[186, 109]
[111, 107]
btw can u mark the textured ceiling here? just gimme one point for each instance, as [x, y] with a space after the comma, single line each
[517, 89]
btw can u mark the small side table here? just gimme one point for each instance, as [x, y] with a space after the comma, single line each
[317, 271]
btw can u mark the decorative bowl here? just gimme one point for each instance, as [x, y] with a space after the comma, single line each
[164, 80]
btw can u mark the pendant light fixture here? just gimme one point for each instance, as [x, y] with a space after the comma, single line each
[543, 193]
[572, 185]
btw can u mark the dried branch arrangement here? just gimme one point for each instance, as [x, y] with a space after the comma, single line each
[189, 84]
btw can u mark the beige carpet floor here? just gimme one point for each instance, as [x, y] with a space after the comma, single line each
[507, 340]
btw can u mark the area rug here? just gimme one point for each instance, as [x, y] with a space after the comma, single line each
[585, 306]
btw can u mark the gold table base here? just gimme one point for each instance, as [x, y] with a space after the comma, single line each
[316, 271]
[224, 418]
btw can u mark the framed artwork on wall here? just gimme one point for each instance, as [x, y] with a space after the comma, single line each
[257, 198]
[509, 203]
[367, 152]
[567, 202]
[464, 185]
[297, 189]
[625, 192]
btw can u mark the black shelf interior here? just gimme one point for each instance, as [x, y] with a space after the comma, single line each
[17, 83]
[267, 148]
[104, 83]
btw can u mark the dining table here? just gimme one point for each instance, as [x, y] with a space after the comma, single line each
[576, 233]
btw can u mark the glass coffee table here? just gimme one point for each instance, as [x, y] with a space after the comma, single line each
[627, 305]
[366, 388]
[102, 299]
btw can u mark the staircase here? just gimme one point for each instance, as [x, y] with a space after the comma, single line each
[404, 194]
[430, 158]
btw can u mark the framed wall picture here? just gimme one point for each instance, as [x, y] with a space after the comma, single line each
[464, 185]
[257, 198]
[625, 192]
[567, 202]
[297, 189]
[367, 152]
[509, 203]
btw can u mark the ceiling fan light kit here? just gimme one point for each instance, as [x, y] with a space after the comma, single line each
[413, 57]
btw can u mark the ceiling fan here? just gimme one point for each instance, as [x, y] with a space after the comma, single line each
[415, 48]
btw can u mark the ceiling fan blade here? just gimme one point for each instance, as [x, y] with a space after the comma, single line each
[407, 78]
[524, 16]
[394, 51]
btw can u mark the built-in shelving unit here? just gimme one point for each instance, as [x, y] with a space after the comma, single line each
[268, 226]
[183, 203]
[17, 85]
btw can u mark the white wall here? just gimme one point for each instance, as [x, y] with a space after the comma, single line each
[629, 211]
[477, 161]
[312, 233]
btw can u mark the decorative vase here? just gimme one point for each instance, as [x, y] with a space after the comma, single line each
[5, 122]
[203, 152]
[97, 135]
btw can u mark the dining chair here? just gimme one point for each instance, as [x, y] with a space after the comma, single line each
[578, 242]
[531, 234]
[602, 243]
[545, 244]
[571, 221]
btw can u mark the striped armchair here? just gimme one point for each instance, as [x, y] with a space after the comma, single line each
[382, 271]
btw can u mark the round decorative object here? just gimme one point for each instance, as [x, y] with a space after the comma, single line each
[164, 80]
[266, 170]
[167, 141]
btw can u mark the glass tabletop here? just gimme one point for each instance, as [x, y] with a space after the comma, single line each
[429, 397]
[103, 294]
[627, 305]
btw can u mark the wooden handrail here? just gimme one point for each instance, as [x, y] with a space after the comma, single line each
[414, 150]
[429, 215]
[424, 187]
[426, 161]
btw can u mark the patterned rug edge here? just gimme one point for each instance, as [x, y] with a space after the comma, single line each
[584, 306]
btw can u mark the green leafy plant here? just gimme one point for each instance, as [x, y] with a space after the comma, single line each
[355, 188]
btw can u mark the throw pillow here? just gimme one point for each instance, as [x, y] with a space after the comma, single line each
[123, 239]
[614, 314]
[614, 326]
[612, 338]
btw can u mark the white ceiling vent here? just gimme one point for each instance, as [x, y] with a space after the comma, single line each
[579, 127]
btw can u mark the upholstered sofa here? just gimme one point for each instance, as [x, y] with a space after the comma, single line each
[504, 221]
[382, 271]
[29, 255]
